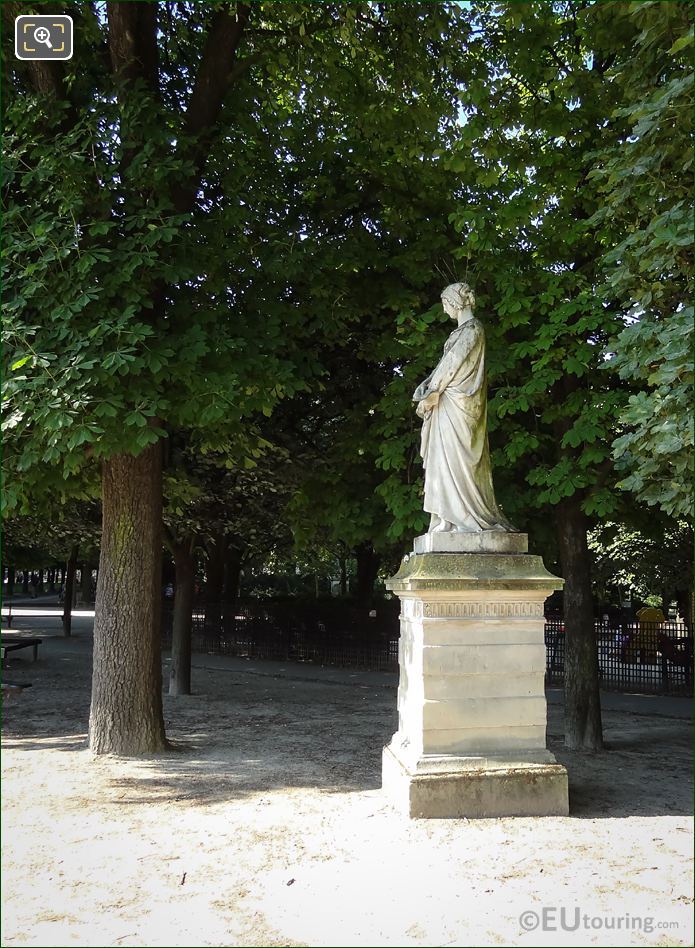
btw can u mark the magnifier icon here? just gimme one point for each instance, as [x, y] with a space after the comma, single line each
[43, 35]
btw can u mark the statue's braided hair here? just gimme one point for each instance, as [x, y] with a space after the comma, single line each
[460, 294]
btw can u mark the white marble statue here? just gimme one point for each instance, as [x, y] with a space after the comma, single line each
[452, 402]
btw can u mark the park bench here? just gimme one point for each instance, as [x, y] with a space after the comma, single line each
[9, 643]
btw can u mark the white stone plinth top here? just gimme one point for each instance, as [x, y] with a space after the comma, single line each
[484, 541]
[452, 402]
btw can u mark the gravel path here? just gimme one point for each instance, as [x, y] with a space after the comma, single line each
[267, 825]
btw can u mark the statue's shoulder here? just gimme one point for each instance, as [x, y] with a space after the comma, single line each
[471, 331]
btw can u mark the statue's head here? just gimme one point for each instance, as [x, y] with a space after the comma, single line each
[458, 295]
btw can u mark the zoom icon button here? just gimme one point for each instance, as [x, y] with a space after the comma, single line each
[43, 37]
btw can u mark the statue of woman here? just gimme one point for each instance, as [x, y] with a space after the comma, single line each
[452, 402]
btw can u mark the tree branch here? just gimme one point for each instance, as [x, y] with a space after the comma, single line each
[558, 61]
[211, 83]
[215, 75]
[133, 41]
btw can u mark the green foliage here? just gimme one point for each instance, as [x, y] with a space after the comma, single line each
[124, 317]
[286, 316]
[47, 536]
[573, 207]
[525, 227]
[129, 319]
[646, 215]
[534, 102]
[210, 495]
[656, 449]
[650, 558]
[93, 368]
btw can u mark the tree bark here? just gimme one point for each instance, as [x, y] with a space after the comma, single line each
[126, 712]
[180, 676]
[68, 598]
[582, 699]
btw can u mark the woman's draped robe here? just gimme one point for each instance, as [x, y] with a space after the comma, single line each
[454, 446]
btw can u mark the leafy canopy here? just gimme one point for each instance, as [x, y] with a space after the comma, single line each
[646, 187]
[173, 276]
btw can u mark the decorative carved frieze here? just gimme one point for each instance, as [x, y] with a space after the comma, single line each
[470, 610]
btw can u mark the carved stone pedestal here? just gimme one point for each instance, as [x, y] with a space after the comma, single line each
[471, 703]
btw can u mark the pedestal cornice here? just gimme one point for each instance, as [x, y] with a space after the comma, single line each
[472, 571]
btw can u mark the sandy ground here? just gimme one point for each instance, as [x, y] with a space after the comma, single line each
[268, 827]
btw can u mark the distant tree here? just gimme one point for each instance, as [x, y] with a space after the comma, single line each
[653, 557]
[552, 97]
[231, 513]
[55, 534]
[335, 505]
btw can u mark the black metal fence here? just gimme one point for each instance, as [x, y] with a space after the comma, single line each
[326, 633]
[633, 656]
[645, 658]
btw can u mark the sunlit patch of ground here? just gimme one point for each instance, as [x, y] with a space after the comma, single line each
[267, 825]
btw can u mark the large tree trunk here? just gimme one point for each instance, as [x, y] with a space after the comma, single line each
[69, 595]
[180, 676]
[582, 700]
[367, 569]
[126, 712]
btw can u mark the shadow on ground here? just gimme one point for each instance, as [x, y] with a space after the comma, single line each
[244, 733]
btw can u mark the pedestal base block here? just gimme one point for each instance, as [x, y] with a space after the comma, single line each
[471, 738]
[516, 788]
